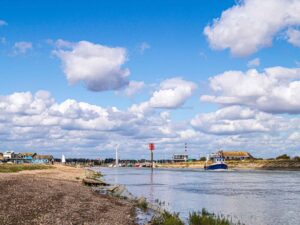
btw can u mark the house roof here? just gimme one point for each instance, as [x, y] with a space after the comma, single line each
[27, 154]
[9, 152]
[235, 154]
[49, 157]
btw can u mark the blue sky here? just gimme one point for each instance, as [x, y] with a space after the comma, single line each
[174, 49]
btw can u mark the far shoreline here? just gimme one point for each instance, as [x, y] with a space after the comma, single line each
[283, 165]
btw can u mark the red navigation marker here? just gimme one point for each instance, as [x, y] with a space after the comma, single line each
[151, 146]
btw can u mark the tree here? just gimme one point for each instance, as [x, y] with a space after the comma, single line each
[284, 156]
[203, 158]
[297, 158]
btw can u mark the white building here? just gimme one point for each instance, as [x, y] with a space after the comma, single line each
[180, 157]
[8, 155]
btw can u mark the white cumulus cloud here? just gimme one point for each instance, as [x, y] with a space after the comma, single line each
[97, 66]
[252, 24]
[172, 93]
[293, 37]
[37, 122]
[232, 120]
[134, 87]
[275, 90]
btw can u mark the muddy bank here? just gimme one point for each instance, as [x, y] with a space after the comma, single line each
[57, 196]
[247, 164]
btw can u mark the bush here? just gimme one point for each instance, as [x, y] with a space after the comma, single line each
[195, 218]
[167, 218]
[206, 218]
[297, 158]
[143, 205]
[203, 159]
[284, 156]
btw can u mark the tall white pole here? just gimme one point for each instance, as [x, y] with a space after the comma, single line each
[117, 158]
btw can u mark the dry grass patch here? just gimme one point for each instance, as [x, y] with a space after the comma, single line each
[12, 168]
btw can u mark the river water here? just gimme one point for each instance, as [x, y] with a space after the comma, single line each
[252, 197]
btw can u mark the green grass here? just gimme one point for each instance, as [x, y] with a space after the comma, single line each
[167, 218]
[195, 218]
[12, 168]
[206, 218]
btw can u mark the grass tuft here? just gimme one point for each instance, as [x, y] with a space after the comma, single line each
[195, 218]
[167, 218]
[142, 204]
[206, 218]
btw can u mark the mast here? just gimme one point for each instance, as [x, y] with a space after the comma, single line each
[117, 157]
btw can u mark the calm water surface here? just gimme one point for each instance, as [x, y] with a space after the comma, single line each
[253, 197]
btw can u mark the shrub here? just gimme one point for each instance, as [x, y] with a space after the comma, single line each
[284, 156]
[206, 218]
[143, 205]
[297, 158]
[167, 218]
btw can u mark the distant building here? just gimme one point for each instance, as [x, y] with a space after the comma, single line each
[233, 155]
[8, 155]
[43, 159]
[26, 155]
[180, 157]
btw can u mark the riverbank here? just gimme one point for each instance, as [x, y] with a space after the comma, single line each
[57, 196]
[247, 164]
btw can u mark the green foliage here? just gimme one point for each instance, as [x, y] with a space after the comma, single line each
[167, 218]
[195, 218]
[203, 158]
[284, 156]
[296, 158]
[143, 205]
[12, 168]
[206, 218]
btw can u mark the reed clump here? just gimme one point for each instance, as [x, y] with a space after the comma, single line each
[206, 218]
[195, 218]
[167, 218]
[142, 204]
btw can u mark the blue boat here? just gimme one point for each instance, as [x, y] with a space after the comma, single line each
[218, 163]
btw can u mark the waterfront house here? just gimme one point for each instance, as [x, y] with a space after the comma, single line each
[180, 157]
[40, 159]
[234, 155]
[26, 155]
[8, 155]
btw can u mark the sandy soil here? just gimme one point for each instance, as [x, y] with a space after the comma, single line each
[56, 196]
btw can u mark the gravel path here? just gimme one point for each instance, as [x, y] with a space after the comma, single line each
[27, 198]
